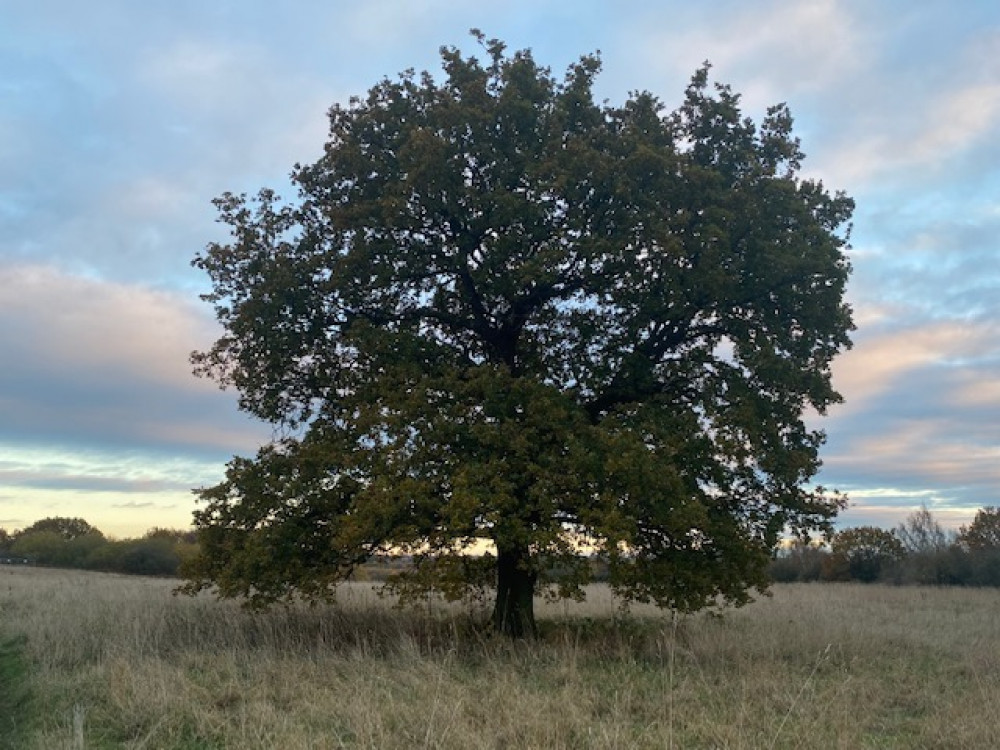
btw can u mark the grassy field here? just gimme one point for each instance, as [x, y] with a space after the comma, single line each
[102, 661]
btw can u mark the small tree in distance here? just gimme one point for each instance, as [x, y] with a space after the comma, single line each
[864, 551]
[63, 527]
[501, 313]
[921, 533]
[984, 531]
[930, 553]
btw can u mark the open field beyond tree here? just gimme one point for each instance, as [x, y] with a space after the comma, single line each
[103, 661]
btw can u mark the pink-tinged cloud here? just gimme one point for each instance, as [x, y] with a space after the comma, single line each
[977, 390]
[881, 359]
[61, 323]
[922, 460]
[928, 450]
[97, 362]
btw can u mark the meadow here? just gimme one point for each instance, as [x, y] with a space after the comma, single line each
[91, 660]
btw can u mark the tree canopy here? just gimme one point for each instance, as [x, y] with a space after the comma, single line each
[502, 318]
[64, 528]
[866, 550]
[984, 531]
[921, 533]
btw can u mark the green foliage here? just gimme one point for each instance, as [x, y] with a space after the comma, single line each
[867, 550]
[984, 531]
[67, 528]
[501, 312]
[918, 551]
[981, 567]
[53, 542]
[59, 541]
[175, 536]
[151, 557]
[40, 546]
[51, 548]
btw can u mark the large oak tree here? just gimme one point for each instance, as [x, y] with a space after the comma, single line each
[504, 327]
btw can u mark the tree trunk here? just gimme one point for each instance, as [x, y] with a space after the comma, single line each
[514, 611]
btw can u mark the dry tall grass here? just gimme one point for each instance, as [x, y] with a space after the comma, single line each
[118, 662]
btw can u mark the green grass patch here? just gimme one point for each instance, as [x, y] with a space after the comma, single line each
[15, 698]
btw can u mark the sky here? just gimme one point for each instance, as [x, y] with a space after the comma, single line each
[121, 120]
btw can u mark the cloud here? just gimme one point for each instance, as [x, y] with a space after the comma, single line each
[124, 139]
[920, 118]
[913, 447]
[139, 506]
[210, 87]
[977, 390]
[118, 491]
[35, 480]
[95, 361]
[922, 402]
[929, 135]
[888, 493]
[771, 51]
[59, 321]
[881, 359]
[106, 511]
[924, 451]
[106, 471]
[890, 516]
[876, 97]
[396, 21]
[960, 119]
[931, 257]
